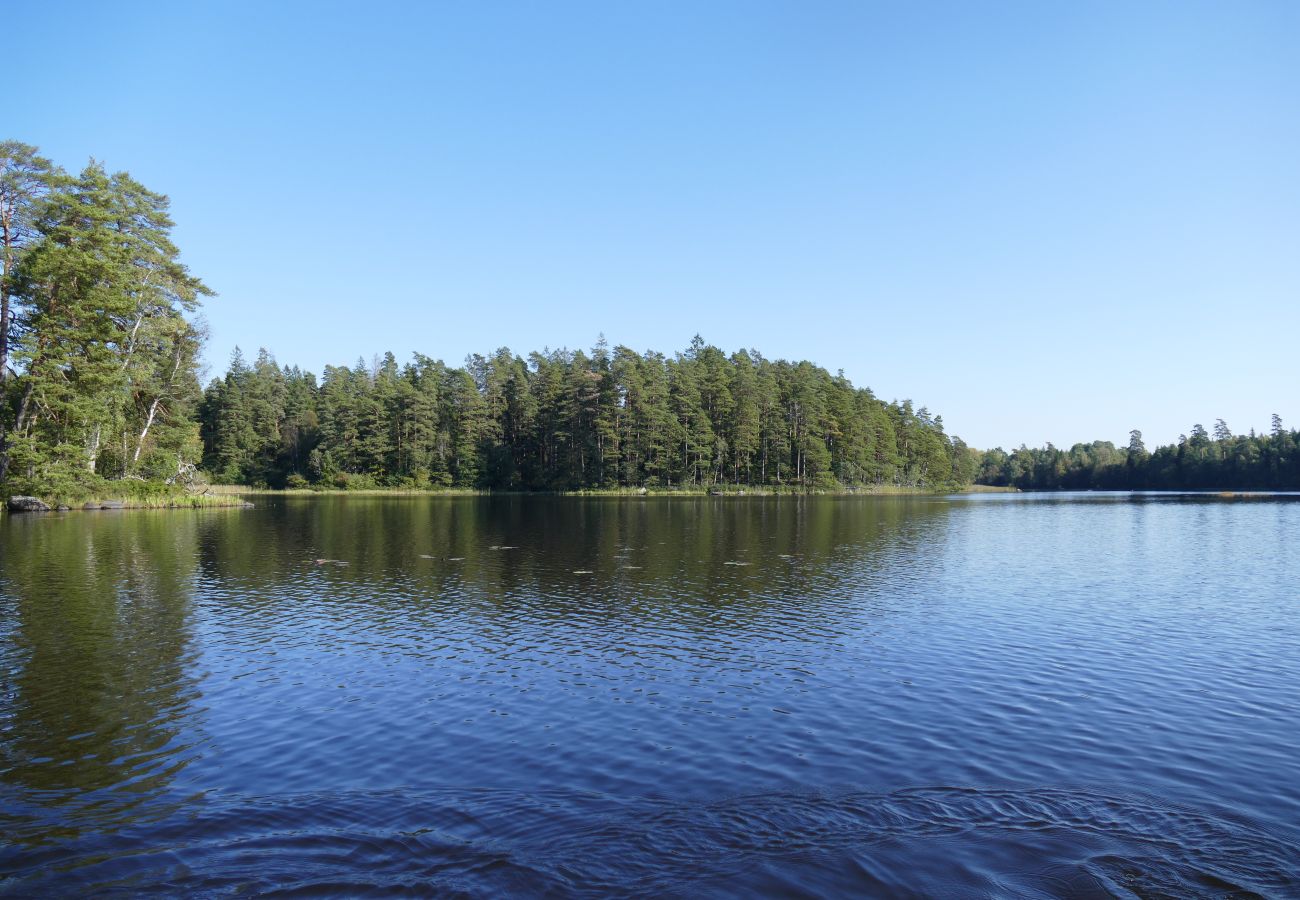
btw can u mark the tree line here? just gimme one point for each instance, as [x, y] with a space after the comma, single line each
[569, 420]
[1200, 460]
[99, 383]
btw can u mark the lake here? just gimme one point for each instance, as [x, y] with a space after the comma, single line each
[977, 695]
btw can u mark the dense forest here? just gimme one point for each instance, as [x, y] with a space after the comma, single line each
[1199, 461]
[99, 388]
[562, 420]
[100, 393]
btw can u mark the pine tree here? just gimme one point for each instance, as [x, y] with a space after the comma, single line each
[25, 178]
[105, 297]
[570, 420]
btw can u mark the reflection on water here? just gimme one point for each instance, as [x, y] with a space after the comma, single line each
[1050, 695]
[98, 699]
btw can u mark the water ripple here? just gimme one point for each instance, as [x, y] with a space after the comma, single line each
[924, 841]
[733, 698]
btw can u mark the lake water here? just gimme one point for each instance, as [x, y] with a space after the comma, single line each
[988, 695]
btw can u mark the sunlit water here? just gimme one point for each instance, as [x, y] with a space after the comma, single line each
[1079, 695]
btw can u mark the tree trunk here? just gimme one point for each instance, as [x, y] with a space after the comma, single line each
[21, 422]
[4, 342]
[4, 334]
[93, 453]
[7, 230]
[139, 445]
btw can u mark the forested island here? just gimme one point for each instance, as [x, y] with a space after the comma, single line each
[100, 395]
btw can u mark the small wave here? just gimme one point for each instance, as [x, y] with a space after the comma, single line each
[933, 841]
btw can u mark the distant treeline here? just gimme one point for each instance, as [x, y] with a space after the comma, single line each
[566, 420]
[1199, 461]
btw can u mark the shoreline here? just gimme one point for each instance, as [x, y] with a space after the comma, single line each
[228, 496]
[20, 505]
[879, 491]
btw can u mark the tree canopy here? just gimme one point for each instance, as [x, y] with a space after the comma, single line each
[101, 351]
[1199, 461]
[565, 420]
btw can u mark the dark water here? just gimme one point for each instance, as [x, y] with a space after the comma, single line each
[977, 696]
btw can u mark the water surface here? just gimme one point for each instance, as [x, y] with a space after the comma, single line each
[1043, 695]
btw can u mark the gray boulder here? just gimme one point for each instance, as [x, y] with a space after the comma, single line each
[112, 504]
[28, 504]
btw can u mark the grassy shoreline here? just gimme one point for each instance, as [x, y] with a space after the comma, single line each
[878, 491]
[110, 502]
[219, 496]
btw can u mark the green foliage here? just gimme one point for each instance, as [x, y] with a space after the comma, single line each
[569, 420]
[99, 379]
[98, 389]
[1197, 462]
[25, 178]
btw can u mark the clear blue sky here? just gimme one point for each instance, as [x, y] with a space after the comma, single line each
[1045, 221]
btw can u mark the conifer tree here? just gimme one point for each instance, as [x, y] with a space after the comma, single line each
[105, 298]
[25, 178]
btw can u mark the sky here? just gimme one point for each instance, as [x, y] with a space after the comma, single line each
[1043, 221]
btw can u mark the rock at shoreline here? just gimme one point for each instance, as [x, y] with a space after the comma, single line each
[112, 504]
[28, 504]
